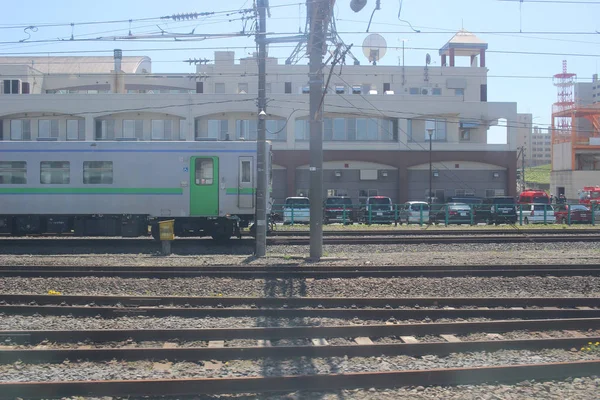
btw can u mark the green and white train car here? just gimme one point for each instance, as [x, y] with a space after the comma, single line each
[123, 188]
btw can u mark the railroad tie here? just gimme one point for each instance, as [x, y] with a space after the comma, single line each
[169, 345]
[450, 338]
[575, 334]
[495, 336]
[264, 343]
[409, 339]
[320, 342]
[363, 340]
[216, 343]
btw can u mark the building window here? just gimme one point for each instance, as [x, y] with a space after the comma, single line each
[436, 91]
[305, 89]
[161, 129]
[204, 171]
[129, 128]
[182, 129]
[339, 129]
[20, 129]
[465, 134]
[276, 129]
[242, 88]
[55, 173]
[337, 192]
[439, 129]
[302, 130]
[47, 128]
[356, 89]
[216, 129]
[105, 129]
[414, 90]
[288, 87]
[219, 88]
[13, 172]
[340, 89]
[245, 129]
[75, 129]
[97, 172]
[459, 92]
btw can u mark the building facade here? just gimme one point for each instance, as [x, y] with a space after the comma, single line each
[576, 150]
[378, 120]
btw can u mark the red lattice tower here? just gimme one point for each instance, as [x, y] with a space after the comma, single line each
[564, 82]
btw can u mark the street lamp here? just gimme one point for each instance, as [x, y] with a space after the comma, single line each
[430, 133]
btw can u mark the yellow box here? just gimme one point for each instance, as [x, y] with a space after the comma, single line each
[167, 229]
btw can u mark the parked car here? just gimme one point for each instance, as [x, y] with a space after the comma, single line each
[296, 210]
[339, 209]
[414, 212]
[579, 213]
[530, 196]
[498, 210]
[538, 214]
[378, 210]
[476, 204]
[458, 213]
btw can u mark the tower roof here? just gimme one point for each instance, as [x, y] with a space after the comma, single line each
[464, 43]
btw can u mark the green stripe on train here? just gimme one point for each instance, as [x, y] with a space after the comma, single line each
[240, 191]
[91, 190]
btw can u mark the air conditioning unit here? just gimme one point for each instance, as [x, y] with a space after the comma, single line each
[426, 91]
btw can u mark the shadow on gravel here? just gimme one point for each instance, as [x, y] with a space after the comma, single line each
[292, 287]
[122, 246]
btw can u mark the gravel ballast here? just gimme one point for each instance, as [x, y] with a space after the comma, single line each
[526, 286]
[20, 372]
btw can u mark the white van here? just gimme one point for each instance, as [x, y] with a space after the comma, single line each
[296, 210]
[410, 212]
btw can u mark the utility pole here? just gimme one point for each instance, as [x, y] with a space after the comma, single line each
[430, 196]
[319, 12]
[261, 151]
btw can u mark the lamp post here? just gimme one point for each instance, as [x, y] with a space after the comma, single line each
[430, 133]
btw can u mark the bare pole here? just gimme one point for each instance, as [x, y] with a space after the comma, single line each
[261, 151]
[318, 10]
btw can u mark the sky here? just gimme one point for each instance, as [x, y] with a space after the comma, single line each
[506, 25]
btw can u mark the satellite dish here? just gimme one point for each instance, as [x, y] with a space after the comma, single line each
[427, 59]
[374, 47]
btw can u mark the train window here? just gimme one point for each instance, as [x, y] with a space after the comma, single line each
[97, 172]
[13, 172]
[55, 172]
[204, 171]
[246, 172]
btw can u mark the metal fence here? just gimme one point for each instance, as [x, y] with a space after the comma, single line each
[446, 214]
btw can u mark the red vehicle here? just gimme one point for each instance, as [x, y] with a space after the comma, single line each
[529, 196]
[579, 213]
[589, 195]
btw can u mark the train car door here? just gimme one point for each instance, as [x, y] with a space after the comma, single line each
[245, 183]
[204, 186]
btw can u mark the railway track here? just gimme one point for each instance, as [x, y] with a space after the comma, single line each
[305, 271]
[371, 308]
[302, 239]
[195, 386]
[263, 349]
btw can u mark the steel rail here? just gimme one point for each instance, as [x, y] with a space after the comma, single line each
[276, 333]
[302, 241]
[195, 386]
[304, 271]
[295, 302]
[437, 232]
[366, 313]
[38, 356]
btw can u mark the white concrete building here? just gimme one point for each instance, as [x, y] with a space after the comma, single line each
[378, 119]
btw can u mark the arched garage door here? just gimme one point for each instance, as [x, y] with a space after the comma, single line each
[457, 178]
[355, 179]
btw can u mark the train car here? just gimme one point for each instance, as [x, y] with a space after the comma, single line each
[125, 188]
